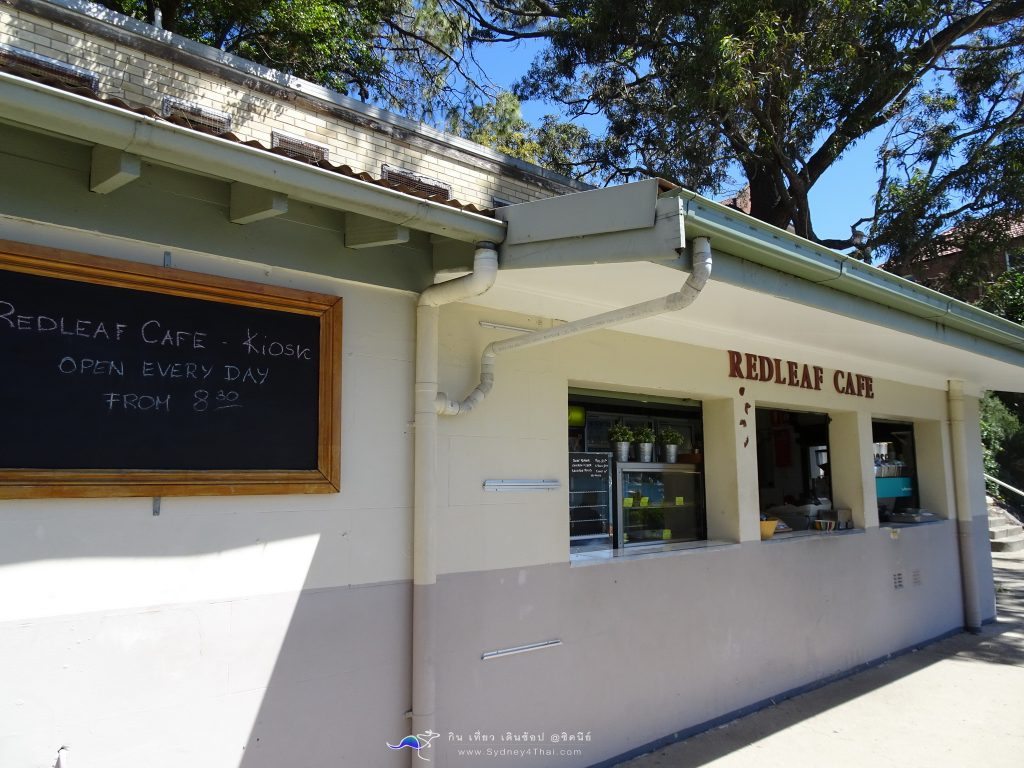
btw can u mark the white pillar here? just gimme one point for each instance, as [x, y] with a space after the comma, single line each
[851, 463]
[730, 469]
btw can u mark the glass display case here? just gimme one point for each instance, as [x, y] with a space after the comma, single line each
[658, 504]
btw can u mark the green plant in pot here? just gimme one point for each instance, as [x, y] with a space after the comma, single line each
[670, 442]
[620, 436]
[644, 436]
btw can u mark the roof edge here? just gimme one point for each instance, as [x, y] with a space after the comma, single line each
[36, 106]
[749, 238]
[101, 21]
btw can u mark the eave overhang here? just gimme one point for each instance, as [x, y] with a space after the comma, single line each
[38, 107]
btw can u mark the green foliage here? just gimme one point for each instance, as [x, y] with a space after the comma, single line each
[1005, 296]
[999, 426]
[620, 433]
[499, 124]
[670, 436]
[774, 92]
[1002, 413]
[644, 434]
[399, 53]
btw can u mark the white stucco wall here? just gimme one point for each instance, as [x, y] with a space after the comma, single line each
[206, 635]
[520, 432]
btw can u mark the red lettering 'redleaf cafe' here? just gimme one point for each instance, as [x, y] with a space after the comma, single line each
[793, 374]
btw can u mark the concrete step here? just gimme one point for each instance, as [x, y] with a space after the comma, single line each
[1003, 531]
[1009, 544]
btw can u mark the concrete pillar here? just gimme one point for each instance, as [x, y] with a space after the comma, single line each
[971, 512]
[851, 462]
[730, 469]
[935, 468]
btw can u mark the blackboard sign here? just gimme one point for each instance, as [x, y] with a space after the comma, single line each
[590, 497]
[122, 377]
[590, 466]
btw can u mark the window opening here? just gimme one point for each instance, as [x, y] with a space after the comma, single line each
[793, 469]
[895, 462]
[619, 504]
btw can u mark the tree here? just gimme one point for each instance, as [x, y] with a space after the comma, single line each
[775, 91]
[555, 144]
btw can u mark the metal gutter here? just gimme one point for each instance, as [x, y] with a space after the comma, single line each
[35, 106]
[738, 234]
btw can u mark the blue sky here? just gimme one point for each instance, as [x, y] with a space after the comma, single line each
[839, 198]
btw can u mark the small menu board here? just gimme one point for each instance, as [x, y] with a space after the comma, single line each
[590, 497]
[591, 466]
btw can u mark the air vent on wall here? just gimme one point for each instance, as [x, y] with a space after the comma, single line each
[22, 62]
[197, 117]
[897, 581]
[298, 149]
[916, 577]
[420, 183]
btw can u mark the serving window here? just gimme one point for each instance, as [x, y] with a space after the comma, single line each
[794, 478]
[642, 495]
[895, 467]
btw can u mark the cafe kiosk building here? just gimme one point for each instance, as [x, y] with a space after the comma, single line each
[420, 567]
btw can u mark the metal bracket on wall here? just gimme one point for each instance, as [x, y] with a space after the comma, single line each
[156, 506]
[505, 486]
[489, 655]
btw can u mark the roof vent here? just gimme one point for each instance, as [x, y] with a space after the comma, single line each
[22, 62]
[197, 117]
[422, 184]
[298, 149]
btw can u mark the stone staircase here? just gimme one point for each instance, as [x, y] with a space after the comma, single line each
[1005, 532]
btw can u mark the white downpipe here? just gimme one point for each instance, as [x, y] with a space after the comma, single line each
[673, 302]
[424, 558]
[964, 519]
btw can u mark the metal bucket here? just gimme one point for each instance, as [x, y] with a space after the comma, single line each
[622, 451]
[646, 451]
[671, 453]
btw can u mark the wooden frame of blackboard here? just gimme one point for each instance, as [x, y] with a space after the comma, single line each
[23, 483]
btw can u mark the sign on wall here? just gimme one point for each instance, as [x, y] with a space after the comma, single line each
[124, 379]
[796, 374]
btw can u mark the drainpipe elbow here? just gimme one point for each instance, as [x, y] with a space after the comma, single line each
[480, 280]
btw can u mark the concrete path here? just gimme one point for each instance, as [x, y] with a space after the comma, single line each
[957, 703]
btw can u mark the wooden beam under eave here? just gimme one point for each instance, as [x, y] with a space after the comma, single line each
[249, 203]
[366, 232]
[111, 169]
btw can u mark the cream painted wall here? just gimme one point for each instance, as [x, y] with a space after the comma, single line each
[76, 556]
[225, 631]
[520, 432]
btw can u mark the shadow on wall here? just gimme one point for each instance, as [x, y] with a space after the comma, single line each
[182, 631]
[999, 643]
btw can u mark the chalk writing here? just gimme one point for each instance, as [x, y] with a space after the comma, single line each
[137, 379]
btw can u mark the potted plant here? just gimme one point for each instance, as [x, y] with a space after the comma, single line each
[670, 441]
[620, 436]
[644, 436]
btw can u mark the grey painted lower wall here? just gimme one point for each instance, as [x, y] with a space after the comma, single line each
[315, 678]
[650, 647]
[654, 646]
